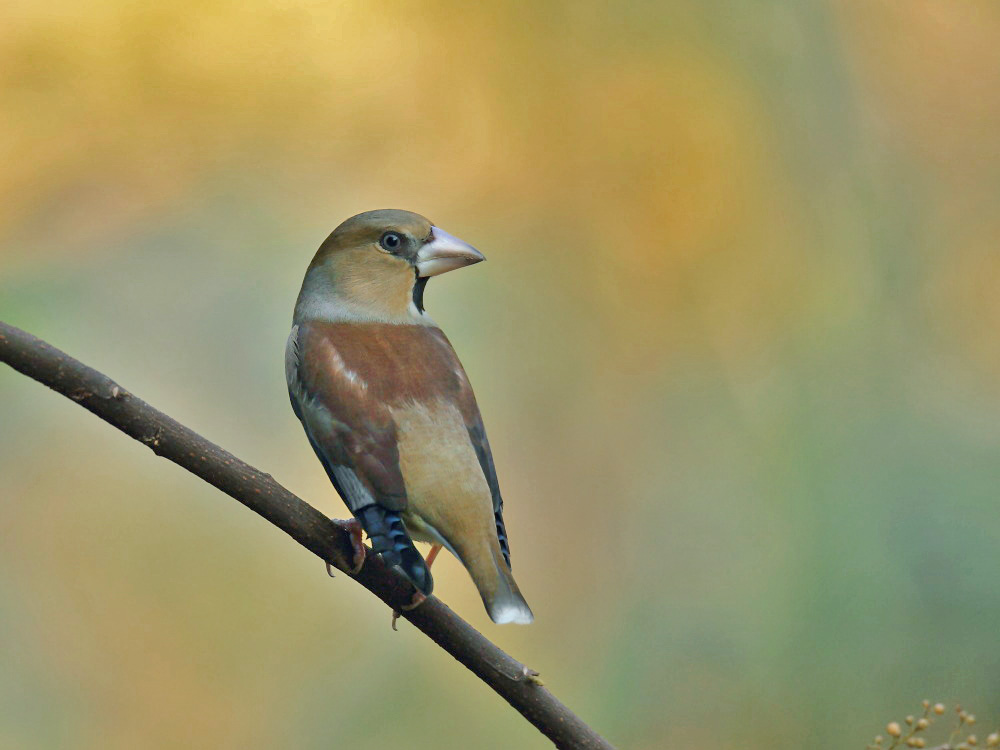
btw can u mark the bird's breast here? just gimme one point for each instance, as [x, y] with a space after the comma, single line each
[444, 480]
[434, 448]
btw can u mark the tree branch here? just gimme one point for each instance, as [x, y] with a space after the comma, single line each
[258, 491]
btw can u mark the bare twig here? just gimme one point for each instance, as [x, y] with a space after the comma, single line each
[258, 491]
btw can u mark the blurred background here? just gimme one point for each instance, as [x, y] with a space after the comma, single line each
[736, 348]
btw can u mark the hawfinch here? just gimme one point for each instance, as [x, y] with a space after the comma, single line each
[388, 408]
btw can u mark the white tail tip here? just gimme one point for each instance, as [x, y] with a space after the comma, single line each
[516, 613]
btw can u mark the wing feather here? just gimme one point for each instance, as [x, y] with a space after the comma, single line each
[352, 433]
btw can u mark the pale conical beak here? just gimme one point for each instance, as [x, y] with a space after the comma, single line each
[445, 253]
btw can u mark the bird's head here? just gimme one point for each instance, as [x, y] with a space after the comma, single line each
[375, 265]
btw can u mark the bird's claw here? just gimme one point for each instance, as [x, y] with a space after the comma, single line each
[415, 602]
[352, 527]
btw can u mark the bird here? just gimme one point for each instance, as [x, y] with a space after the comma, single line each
[388, 408]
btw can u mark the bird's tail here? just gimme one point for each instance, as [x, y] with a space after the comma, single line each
[497, 587]
[507, 605]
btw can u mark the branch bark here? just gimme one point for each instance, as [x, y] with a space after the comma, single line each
[97, 393]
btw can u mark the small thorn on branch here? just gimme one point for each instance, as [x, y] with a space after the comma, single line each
[530, 675]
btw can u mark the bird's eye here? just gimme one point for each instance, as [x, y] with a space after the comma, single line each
[391, 241]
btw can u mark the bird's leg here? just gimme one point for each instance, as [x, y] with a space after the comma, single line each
[352, 527]
[418, 598]
[432, 555]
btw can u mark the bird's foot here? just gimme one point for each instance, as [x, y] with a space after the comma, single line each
[415, 602]
[352, 527]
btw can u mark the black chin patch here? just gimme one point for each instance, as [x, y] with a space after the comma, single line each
[418, 291]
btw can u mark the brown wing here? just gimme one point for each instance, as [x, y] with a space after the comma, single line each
[350, 429]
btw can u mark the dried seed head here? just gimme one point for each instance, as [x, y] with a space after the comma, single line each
[915, 742]
[993, 740]
[893, 729]
[923, 723]
[939, 708]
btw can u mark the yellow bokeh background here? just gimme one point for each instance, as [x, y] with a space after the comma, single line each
[736, 348]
